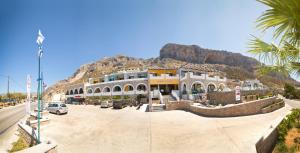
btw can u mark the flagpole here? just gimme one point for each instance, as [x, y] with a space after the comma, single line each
[39, 41]
[39, 96]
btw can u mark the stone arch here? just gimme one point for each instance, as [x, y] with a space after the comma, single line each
[211, 87]
[90, 91]
[141, 87]
[97, 90]
[67, 93]
[197, 87]
[71, 92]
[80, 91]
[75, 92]
[128, 87]
[106, 89]
[117, 88]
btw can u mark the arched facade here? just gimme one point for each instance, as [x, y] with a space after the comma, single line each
[106, 89]
[141, 87]
[80, 91]
[211, 87]
[221, 87]
[197, 87]
[117, 88]
[184, 88]
[71, 92]
[75, 92]
[97, 90]
[128, 87]
[90, 91]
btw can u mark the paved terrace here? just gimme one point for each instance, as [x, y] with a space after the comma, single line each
[91, 129]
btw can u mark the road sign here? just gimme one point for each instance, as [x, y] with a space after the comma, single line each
[237, 93]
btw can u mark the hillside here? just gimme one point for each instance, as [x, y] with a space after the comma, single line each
[196, 54]
[174, 56]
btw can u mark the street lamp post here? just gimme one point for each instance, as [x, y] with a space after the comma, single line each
[39, 41]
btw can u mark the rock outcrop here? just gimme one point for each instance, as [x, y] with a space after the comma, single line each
[196, 54]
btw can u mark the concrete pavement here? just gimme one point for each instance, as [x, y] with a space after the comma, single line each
[91, 129]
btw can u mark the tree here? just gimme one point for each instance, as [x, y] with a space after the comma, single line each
[284, 17]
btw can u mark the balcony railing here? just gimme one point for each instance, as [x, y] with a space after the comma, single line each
[164, 76]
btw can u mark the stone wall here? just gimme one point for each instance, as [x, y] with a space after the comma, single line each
[225, 98]
[222, 98]
[241, 109]
[27, 133]
[181, 105]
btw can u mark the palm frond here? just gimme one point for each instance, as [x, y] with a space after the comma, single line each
[295, 66]
[284, 16]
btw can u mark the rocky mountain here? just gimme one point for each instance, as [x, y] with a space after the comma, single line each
[196, 54]
[233, 65]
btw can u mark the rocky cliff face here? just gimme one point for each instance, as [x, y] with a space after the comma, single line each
[196, 54]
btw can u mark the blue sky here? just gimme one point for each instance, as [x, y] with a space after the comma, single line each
[83, 31]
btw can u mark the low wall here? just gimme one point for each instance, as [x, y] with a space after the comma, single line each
[273, 107]
[267, 141]
[228, 97]
[241, 109]
[178, 105]
[46, 146]
[27, 133]
[224, 98]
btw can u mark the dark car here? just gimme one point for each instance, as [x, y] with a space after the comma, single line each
[119, 104]
[75, 101]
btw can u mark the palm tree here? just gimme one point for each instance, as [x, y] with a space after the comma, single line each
[284, 17]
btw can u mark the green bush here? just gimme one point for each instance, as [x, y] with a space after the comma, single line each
[290, 121]
[291, 92]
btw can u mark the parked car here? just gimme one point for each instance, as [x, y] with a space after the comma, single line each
[106, 104]
[119, 104]
[75, 101]
[57, 108]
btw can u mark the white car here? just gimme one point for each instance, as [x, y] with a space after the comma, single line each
[58, 108]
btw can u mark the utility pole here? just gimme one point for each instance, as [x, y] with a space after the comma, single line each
[8, 96]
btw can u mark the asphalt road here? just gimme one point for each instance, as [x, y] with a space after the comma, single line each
[11, 115]
[293, 103]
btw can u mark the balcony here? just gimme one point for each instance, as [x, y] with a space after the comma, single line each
[164, 76]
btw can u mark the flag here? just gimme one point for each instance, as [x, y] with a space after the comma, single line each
[39, 41]
[40, 38]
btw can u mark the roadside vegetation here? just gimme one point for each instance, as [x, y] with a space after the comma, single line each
[19, 145]
[289, 133]
[291, 92]
[11, 99]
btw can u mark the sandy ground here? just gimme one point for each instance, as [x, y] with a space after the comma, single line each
[90, 129]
